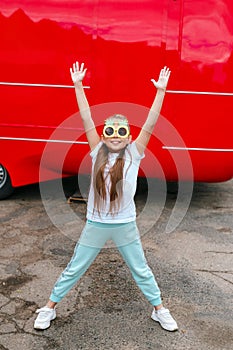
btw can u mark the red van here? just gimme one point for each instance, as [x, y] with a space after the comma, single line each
[123, 44]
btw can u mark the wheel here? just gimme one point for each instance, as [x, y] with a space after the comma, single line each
[6, 188]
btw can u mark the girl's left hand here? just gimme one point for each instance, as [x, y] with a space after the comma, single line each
[163, 79]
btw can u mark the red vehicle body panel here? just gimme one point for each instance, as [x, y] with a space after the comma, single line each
[123, 44]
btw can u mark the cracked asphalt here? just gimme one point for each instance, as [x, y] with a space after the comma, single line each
[193, 265]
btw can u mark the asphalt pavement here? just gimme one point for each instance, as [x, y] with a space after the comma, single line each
[193, 265]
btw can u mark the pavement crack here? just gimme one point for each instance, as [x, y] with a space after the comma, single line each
[215, 273]
[5, 304]
[225, 279]
[217, 252]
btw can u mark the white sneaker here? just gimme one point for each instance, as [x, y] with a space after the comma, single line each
[165, 319]
[46, 315]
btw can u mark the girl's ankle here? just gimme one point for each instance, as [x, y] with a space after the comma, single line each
[51, 305]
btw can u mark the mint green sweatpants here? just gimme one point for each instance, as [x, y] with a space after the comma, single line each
[127, 240]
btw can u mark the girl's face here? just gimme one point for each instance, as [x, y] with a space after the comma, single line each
[116, 142]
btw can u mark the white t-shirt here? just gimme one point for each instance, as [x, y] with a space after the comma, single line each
[127, 210]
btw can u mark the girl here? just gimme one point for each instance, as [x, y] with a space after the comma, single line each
[111, 210]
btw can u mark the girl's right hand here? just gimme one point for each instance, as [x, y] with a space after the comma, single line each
[77, 74]
[163, 79]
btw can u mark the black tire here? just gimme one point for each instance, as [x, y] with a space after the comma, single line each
[6, 188]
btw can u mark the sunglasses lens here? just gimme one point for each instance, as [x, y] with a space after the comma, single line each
[122, 131]
[109, 131]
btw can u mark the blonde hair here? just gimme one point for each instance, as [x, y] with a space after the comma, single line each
[115, 172]
[117, 118]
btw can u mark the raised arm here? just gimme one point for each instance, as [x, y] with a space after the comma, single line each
[148, 127]
[77, 75]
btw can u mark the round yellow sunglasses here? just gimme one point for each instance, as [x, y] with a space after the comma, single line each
[121, 131]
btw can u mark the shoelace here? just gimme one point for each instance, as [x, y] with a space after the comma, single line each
[165, 313]
[43, 313]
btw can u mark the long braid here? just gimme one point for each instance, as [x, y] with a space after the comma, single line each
[98, 178]
[116, 178]
[116, 175]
